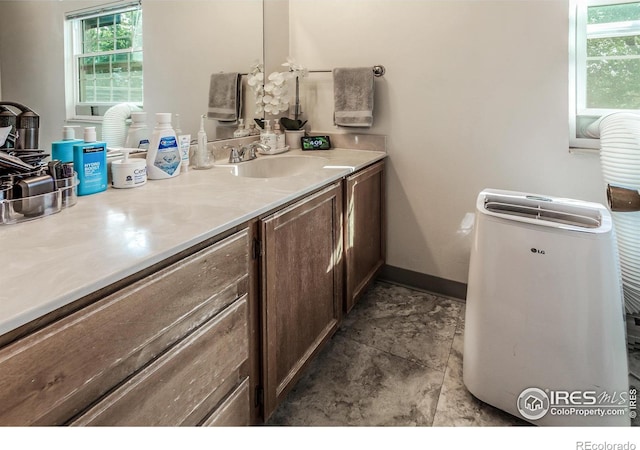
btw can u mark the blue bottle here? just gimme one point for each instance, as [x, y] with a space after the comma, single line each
[90, 162]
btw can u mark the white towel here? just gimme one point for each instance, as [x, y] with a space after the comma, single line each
[353, 97]
[225, 96]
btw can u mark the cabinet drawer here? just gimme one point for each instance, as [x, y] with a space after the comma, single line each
[51, 375]
[181, 386]
[235, 411]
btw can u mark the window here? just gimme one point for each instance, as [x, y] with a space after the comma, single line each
[104, 63]
[604, 64]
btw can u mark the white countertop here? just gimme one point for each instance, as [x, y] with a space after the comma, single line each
[52, 261]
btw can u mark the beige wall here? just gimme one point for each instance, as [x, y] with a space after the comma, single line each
[184, 42]
[475, 96]
[32, 59]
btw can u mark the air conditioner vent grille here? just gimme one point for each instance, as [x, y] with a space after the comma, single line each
[545, 211]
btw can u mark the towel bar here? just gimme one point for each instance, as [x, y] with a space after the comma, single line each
[378, 70]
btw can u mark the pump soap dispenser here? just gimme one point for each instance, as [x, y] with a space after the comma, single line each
[280, 142]
[90, 161]
[241, 131]
[63, 150]
[269, 138]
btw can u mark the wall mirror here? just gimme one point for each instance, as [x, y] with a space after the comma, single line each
[184, 42]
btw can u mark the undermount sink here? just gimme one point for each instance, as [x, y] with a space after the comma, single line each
[277, 166]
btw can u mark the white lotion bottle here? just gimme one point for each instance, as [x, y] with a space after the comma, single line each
[138, 134]
[268, 137]
[163, 156]
[202, 153]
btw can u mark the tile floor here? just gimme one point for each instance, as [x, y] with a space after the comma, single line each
[395, 361]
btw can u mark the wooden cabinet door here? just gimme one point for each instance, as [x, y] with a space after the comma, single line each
[364, 230]
[301, 287]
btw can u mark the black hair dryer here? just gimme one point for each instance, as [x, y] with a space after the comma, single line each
[26, 126]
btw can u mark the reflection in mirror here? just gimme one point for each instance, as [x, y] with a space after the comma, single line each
[184, 43]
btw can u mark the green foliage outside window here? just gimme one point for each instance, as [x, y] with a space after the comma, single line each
[110, 68]
[613, 62]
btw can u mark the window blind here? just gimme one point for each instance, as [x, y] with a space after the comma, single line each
[107, 8]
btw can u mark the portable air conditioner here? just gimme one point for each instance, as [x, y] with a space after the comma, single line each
[544, 334]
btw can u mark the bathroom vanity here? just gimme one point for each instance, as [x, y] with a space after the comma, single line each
[197, 300]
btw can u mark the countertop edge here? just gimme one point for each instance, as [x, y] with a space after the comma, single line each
[30, 314]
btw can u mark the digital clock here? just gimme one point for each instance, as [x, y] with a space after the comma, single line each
[315, 142]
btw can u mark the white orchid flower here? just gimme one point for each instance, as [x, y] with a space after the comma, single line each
[273, 96]
[277, 78]
[295, 67]
[252, 81]
[269, 109]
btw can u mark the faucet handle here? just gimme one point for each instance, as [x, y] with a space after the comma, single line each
[234, 155]
[251, 154]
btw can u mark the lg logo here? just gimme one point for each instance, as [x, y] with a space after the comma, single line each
[538, 251]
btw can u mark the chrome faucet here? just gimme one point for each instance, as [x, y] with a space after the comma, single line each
[251, 149]
[234, 154]
[245, 153]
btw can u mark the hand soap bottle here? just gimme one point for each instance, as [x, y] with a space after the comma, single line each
[90, 162]
[163, 156]
[253, 131]
[241, 131]
[63, 150]
[280, 144]
[268, 137]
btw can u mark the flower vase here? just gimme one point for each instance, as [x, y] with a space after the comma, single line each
[292, 138]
